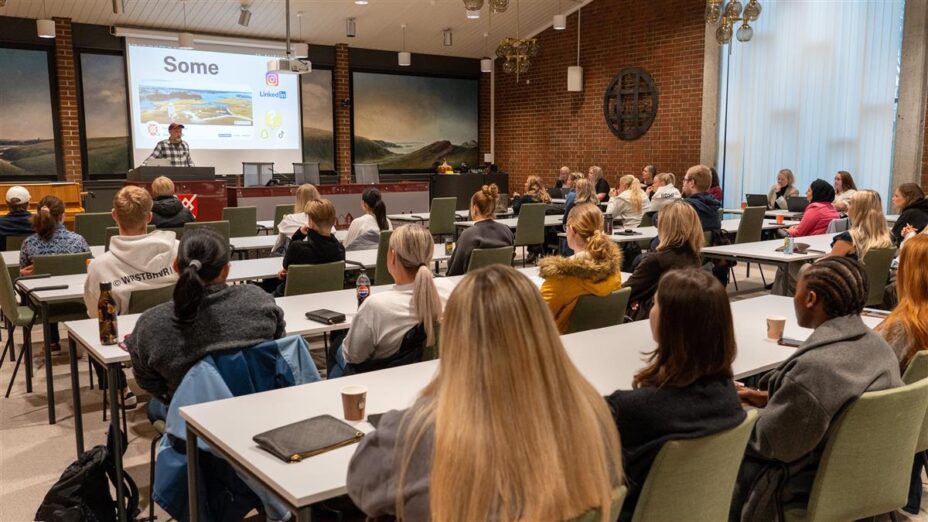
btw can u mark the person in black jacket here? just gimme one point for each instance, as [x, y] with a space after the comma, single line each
[314, 243]
[686, 390]
[681, 240]
[18, 221]
[534, 193]
[696, 184]
[167, 211]
[911, 201]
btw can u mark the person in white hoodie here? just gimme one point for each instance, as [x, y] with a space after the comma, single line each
[664, 192]
[364, 232]
[136, 260]
[293, 222]
[628, 202]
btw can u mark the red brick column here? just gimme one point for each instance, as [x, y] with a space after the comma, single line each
[69, 127]
[483, 129]
[342, 115]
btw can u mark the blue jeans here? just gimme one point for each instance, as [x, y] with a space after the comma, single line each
[338, 369]
[157, 410]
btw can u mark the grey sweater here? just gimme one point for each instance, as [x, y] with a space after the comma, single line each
[230, 317]
[484, 234]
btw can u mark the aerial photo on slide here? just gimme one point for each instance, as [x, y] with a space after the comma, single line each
[195, 106]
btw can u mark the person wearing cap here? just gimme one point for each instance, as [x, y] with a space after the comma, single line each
[174, 148]
[18, 222]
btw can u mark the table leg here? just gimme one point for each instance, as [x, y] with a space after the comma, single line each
[76, 396]
[304, 514]
[27, 345]
[193, 497]
[49, 379]
[112, 375]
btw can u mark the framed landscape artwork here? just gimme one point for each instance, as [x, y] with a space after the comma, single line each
[27, 134]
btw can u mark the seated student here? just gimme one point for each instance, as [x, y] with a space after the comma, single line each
[715, 190]
[598, 179]
[782, 189]
[648, 177]
[906, 327]
[508, 416]
[364, 232]
[167, 210]
[840, 360]
[868, 228]
[819, 213]
[135, 261]
[205, 316]
[696, 184]
[593, 269]
[563, 177]
[664, 192]
[534, 193]
[486, 232]
[571, 196]
[686, 390]
[290, 223]
[628, 202]
[314, 243]
[910, 202]
[844, 190]
[681, 240]
[415, 298]
[18, 221]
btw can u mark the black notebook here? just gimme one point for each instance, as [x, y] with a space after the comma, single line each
[303, 439]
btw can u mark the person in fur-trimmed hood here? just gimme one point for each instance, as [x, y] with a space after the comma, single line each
[594, 269]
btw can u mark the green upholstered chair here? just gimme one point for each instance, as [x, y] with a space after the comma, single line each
[142, 300]
[593, 515]
[593, 311]
[647, 220]
[749, 231]
[219, 226]
[914, 372]
[441, 216]
[694, 479]
[877, 263]
[178, 231]
[530, 227]
[92, 226]
[311, 279]
[61, 264]
[481, 257]
[114, 231]
[15, 242]
[15, 316]
[243, 221]
[279, 212]
[867, 463]
[382, 275]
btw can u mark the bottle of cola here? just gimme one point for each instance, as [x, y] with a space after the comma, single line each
[364, 287]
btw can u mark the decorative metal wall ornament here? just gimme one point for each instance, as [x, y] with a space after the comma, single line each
[731, 14]
[630, 103]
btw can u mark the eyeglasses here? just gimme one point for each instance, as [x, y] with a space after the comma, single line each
[687, 179]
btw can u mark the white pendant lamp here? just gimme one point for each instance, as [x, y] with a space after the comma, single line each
[404, 58]
[45, 27]
[185, 39]
[560, 22]
[486, 64]
[575, 72]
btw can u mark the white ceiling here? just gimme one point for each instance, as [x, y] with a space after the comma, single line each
[323, 21]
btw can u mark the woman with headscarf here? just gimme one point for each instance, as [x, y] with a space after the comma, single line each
[819, 213]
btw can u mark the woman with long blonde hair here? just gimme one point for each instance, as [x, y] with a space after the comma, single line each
[868, 227]
[507, 430]
[534, 193]
[629, 202]
[906, 328]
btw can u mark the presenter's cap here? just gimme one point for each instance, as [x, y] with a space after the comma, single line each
[175, 126]
[17, 195]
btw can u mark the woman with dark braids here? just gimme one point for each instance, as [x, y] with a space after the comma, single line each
[205, 316]
[840, 360]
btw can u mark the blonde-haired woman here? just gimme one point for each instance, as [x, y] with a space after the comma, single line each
[508, 428]
[629, 202]
[785, 187]
[681, 239]
[664, 192]
[593, 269]
[385, 317]
[292, 222]
[600, 185]
[485, 233]
[534, 193]
[868, 228]
[166, 210]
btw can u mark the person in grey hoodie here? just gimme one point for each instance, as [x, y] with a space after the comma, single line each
[839, 362]
[485, 233]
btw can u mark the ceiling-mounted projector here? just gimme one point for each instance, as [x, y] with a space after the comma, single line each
[289, 65]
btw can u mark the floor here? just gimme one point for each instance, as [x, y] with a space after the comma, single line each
[33, 454]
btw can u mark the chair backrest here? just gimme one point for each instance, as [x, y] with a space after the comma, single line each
[382, 275]
[441, 216]
[243, 221]
[914, 372]
[311, 279]
[61, 264]
[481, 257]
[593, 515]
[219, 226]
[178, 231]
[92, 226]
[366, 173]
[867, 463]
[647, 219]
[530, 228]
[877, 263]
[279, 212]
[836, 226]
[15, 242]
[593, 311]
[141, 300]
[694, 479]
[411, 351]
[751, 225]
[8, 303]
[114, 231]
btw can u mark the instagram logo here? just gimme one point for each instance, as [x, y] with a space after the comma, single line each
[271, 79]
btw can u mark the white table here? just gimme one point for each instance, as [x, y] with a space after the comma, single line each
[765, 251]
[770, 213]
[728, 225]
[607, 362]
[368, 257]
[267, 242]
[550, 221]
[422, 217]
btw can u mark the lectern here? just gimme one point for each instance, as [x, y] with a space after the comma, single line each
[201, 181]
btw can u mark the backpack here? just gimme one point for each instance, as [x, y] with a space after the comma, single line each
[82, 493]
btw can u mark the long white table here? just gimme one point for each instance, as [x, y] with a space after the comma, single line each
[728, 225]
[267, 242]
[550, 221]
[765, 251]
[770, 213]
[607, 357]
[422, 217]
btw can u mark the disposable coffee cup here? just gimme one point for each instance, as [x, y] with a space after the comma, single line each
[780, 219]
[354, 398]
[775, 326]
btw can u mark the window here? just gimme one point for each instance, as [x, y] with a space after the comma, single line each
[28, 147]
[106, 129]
[318, 119]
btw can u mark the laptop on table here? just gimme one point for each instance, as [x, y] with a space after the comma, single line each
[796, 203]
[756, 200]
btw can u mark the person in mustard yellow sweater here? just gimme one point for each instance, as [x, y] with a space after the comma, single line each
[594, 269]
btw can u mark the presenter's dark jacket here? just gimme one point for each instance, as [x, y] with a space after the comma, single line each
[16, 223]
[169, 212]
[311, 249]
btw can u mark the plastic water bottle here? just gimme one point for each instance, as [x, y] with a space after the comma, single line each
[789, 247]
[364, 287]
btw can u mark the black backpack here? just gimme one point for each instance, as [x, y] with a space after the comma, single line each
[82, 493]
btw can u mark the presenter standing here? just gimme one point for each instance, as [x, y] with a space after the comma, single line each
[173, 149]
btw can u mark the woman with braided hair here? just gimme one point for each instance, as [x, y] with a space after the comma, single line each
[839, 362]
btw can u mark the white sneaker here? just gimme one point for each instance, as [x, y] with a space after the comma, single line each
[130, 400]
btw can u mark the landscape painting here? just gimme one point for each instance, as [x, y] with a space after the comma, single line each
[318, 136]
[106, 120]
[414, 122]
[27, 137]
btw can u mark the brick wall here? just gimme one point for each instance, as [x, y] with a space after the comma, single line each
[540, 126]
[342, 115]
[69, 127]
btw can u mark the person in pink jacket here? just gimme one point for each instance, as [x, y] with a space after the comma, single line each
[819, 213]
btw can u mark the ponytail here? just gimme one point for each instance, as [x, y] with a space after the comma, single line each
[587, 222]
[485, 200]
[426, 303]
[47, 217]
[201, 256]
[412, 245]
[372, 198]
[634, 187]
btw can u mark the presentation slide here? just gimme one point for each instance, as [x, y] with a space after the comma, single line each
[232, 109]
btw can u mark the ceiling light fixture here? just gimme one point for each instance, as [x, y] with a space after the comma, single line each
[486, 63]
[45, 27]
[575, 72]
[517, 51]
[731, 14]
[499, 6]
[350, 28]
[360, 2]
[560, 21]
[446, 37]
[472, 8]
[404, 58]
[244, 15]
[119, 6]
[185, 39]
